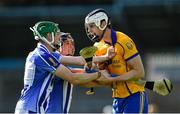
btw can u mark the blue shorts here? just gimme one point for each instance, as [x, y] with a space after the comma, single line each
[135, 103]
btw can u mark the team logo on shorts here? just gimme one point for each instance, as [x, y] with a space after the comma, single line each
[129, 45]
[52, 61]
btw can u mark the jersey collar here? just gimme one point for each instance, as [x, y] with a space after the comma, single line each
[43, 47]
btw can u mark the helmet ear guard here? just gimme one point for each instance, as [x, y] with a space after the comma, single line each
[35, 36]
[42, 28]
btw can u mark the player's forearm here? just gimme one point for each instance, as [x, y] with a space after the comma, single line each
[129, 76]
[136, 72]
[100, 58]
[75, 78]
[81, 78]
[72, 60]
[110, 53]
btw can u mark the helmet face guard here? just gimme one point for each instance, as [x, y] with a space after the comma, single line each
[96, 17]
[91, 36]
[42, 28]
[65, 36]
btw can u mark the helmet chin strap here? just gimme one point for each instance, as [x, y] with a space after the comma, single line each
[99, 38]
[52, 44]
[56, 46]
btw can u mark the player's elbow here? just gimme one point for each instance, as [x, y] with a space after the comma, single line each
[73, 81]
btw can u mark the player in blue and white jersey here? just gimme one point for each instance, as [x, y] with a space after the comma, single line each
[42, 65]
[66, 49]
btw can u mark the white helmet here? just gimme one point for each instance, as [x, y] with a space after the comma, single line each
[96, 17]
[42, 28]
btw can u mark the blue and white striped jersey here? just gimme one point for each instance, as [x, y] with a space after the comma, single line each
[43, 91]
[56, 97]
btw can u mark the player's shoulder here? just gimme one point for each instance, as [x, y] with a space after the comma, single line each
[40, 55]
[122, 37]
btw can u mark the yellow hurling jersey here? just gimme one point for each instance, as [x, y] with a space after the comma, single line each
[125, 50]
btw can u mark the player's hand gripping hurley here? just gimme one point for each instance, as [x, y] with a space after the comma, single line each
[87, 53]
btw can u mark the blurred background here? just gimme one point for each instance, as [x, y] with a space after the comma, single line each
[152, 24]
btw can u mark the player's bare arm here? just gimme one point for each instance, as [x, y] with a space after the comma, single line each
[110, 53]
[75, 78]
[72, 60]
[136, 72]
[79, 60]
[99, 82]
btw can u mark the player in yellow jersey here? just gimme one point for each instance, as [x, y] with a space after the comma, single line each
[162, 87]
[129, 97]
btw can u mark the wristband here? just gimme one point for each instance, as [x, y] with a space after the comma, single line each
[114, 75]
[90, 70]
